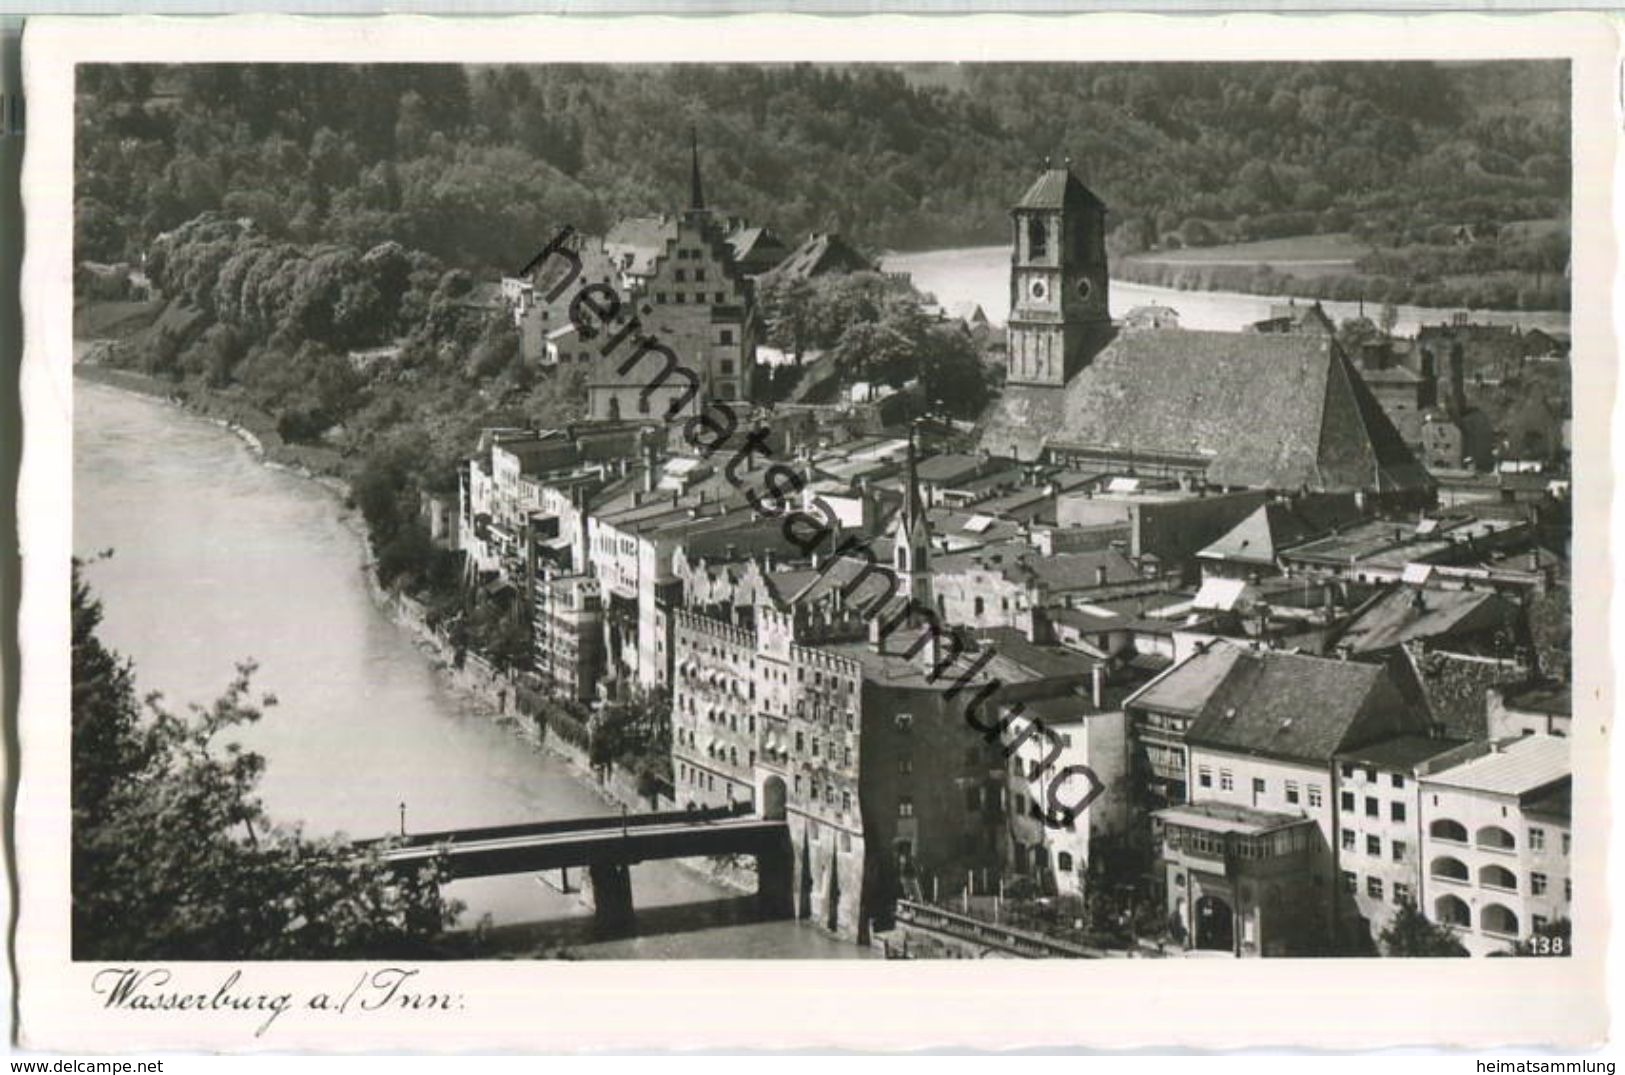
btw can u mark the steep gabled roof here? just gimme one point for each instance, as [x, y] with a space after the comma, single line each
[820, 253]
[1286, 705]
[1274, 527]
[1266, 411]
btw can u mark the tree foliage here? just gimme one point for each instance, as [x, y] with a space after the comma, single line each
[173, 855]
[1411, 933]
[474, 166]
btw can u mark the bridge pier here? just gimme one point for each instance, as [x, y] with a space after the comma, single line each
[775, 880]
[612, 897]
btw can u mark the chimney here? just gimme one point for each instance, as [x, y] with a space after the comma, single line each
[1100, 574]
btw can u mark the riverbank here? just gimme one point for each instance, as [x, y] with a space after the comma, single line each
[256, 428]
[473, 688]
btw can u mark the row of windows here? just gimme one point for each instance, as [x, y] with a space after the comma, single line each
[1374, 888]
[681, 298]
[1373, 807]
[1373, 845]
[688, 774]
[1397, 779]
[826, 791]
[1291, 789]
[818, 749]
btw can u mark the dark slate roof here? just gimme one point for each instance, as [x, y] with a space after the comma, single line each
[1044, 662]
[1403, 752]
[819, 253]
[1078, 570]
[1452, 687]
[1285, 705]
[1547, 697]
[1555, 804]
[1282, 412]
[949, 467]
[1058, 188]
[1261, 536]
[1406, 613]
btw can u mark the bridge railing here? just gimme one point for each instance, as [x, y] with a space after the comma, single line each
[561, 825]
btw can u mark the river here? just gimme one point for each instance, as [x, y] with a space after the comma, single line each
[981, 274]
[218, 559]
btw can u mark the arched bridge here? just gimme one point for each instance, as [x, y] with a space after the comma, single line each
[607, 847]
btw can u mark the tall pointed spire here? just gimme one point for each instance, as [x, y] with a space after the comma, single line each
[696, 197]
[913, 503]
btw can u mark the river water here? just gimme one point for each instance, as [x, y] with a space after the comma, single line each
[981, 274]
[218, 559]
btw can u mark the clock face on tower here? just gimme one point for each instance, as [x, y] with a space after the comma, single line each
[1038, 289]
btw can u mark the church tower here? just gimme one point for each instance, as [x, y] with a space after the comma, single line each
[1058, 285]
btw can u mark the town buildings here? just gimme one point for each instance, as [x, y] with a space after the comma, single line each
[1212, 601]
[1497, 841]
[1379, 809]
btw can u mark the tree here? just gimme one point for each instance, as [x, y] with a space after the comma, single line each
[173, 856]
[952, 374]
[1355, 332]
[1410, 933]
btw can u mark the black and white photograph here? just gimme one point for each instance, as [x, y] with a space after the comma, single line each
[690, 508]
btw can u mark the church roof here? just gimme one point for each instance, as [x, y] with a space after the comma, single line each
[1265, 411]
[1058, 188]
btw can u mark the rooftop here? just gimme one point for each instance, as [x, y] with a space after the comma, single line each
[1551, 698]
[1265, 411]
[1402, 752]
[1058, 188]
[1275, 527]
[1292, 705]
[1228, 818]
[1186, 688]
[1513, 767]
[1407, 613]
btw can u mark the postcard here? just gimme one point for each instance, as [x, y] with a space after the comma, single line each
[771, 532]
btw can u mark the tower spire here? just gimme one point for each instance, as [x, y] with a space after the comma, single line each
[696, 197]
[913, 504]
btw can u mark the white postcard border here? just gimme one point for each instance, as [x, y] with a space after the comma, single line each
[1116, 1004]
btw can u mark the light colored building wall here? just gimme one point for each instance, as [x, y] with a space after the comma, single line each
[1476, 906]
[1380, 854]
